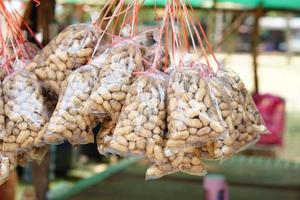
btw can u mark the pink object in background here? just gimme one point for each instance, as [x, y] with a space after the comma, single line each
[215, 187]
[272, 109]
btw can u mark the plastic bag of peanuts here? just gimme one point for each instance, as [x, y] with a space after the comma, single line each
[142, 122]
[115, 77]
[243, 122]
[25, 111]
[69, 121]
[69, 50]
[4, 168]
[188, 162]
[247, 121]
[193, 115]
[8, 163]
[221, 147]
[104, 136]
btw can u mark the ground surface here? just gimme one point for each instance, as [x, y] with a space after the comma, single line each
[130, 185]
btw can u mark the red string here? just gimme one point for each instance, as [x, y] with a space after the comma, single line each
[183, 27]
[204, 36]
[15, 37]
[116, 11]
[176, 43]
[189, 18]
[2, 42]
[38, 2]
[166, 15]
[185, 15]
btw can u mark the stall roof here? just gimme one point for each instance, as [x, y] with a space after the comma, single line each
[238, 4]
[232, 4]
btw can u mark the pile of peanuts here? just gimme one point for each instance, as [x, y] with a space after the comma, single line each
[187, 162]
[69, 120]
[115, 78]
[192, 116]
[25, 111]
[141, 124]
[71, 49]
[222, 147]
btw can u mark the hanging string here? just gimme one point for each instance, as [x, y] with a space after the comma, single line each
[15, 37]
[176, 40]
[183, 26]
[189, 27]
[166, 15]
[116, 11]
[196, 32]
[204, 36]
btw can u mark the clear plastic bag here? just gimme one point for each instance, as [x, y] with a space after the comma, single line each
[69, 50]
[142, 122]
[222, 147]
[114, 80]
[50, 104]
[193, 115]
[4, 169]
[244, 123]
[150, 48]
[163, 58]
[8, 163]
[69, 120]
[188, 162]
[25, 110]
[246, 119]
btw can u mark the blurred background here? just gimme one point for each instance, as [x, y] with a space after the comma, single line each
[259, 39]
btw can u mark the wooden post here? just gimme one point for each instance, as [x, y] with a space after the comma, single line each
[255, 42]
[288, 38]
[41, 17]
[31, 17]
[40, 175]
[219, 27]
[46, 15]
